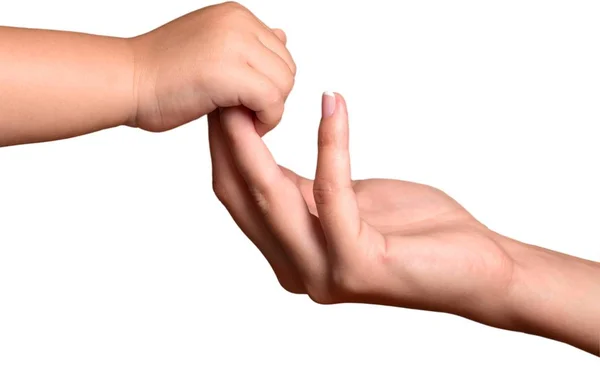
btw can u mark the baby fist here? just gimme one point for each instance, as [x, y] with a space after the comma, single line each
[218, 56]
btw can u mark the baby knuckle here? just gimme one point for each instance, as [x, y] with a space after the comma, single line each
[234, 10]
[232, 5]
[289, 83]
[272, 96]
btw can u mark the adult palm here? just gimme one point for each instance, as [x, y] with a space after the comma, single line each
[373, 241]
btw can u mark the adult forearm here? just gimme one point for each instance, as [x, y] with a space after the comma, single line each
[554, 295]
[57, 84]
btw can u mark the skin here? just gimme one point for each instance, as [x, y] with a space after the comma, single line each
[56, 84]
[393, 242]
[371, 241]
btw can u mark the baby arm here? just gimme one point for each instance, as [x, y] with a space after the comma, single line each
[56, 84]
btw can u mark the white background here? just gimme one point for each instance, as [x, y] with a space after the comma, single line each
[115, 257]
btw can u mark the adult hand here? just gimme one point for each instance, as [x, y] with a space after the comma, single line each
[340, 240]
[386, 241]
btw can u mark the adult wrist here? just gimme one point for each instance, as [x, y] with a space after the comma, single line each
[553, 295]
[133, 82]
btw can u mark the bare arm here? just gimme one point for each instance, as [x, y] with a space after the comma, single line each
[56, 84]
[555, 295]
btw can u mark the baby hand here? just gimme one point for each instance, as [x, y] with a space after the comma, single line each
[218, 56]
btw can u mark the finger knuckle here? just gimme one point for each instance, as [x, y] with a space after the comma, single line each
[226, 15]
[261, 200]
[323, 191]
[273, 96]
[348, 280]
[290, 285]
[293, 67]
[221, 191]
[327, 138]
[232, 5]
[289, 84]
[234, 12]
[320, 295]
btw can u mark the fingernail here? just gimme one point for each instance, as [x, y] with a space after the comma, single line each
[328, 104]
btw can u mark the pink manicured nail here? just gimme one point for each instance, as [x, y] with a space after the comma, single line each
[328, 104]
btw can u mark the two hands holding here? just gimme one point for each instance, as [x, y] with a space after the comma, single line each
[370, 241]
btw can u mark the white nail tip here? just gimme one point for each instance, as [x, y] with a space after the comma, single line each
[329, 93]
